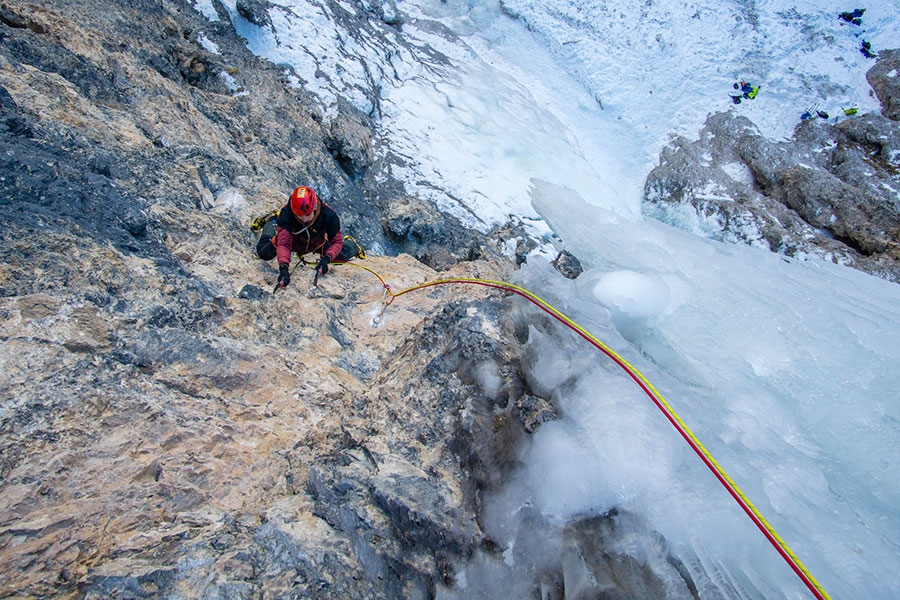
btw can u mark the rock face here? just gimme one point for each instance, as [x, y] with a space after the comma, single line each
[168, 426]
[283, 447]
[883, 79]
[830, 193]
[161, 410]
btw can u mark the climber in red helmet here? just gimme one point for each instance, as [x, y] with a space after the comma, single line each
[305, 225]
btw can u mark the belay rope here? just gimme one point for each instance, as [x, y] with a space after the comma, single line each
[730, 486]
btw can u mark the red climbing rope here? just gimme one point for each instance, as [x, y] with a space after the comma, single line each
[770, 534]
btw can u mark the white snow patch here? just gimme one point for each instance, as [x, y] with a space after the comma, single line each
[205, 8]
[208, 44]
[739, 172]
[232, 84]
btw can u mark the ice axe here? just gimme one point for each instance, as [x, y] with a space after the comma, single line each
[278, 285]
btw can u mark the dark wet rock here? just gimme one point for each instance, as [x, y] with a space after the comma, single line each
[195, 70]
[436, 239]
[534, 411]
[567, 264]
[148, 584]
[350, 143]
[253, 292]
[403, 526]
[592, 556]
[255, 11]
[867, 223]
[411, 530]
[10, 117]
[590, 569]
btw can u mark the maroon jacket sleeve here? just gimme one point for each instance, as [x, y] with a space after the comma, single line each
[283, 241]
[334, 245]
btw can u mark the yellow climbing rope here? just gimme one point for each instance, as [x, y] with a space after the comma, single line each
[767, 530]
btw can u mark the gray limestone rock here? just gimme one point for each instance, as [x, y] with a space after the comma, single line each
[567, 264]
[255, 11]
[883, 77]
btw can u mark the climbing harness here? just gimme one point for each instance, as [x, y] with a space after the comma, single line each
[730, 486]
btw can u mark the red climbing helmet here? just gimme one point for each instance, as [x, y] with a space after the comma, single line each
[303, 201]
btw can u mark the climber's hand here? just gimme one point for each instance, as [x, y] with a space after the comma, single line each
[323, 265]
[284, 276]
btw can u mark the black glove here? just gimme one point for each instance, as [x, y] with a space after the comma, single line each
[323, 264]
[284, 276]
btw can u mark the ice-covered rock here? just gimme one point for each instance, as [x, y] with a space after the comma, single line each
[829, 193]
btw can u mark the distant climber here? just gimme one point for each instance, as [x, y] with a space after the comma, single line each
[854, 17]
[744, 90]
[750, 91]
[866, 49]
[304, 225]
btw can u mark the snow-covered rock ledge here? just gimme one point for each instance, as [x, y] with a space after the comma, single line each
[832, 192]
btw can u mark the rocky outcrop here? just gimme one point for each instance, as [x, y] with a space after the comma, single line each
[829, 193]
[147, 456]
[883, 79]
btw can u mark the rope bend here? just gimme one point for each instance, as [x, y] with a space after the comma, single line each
[730, 486]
